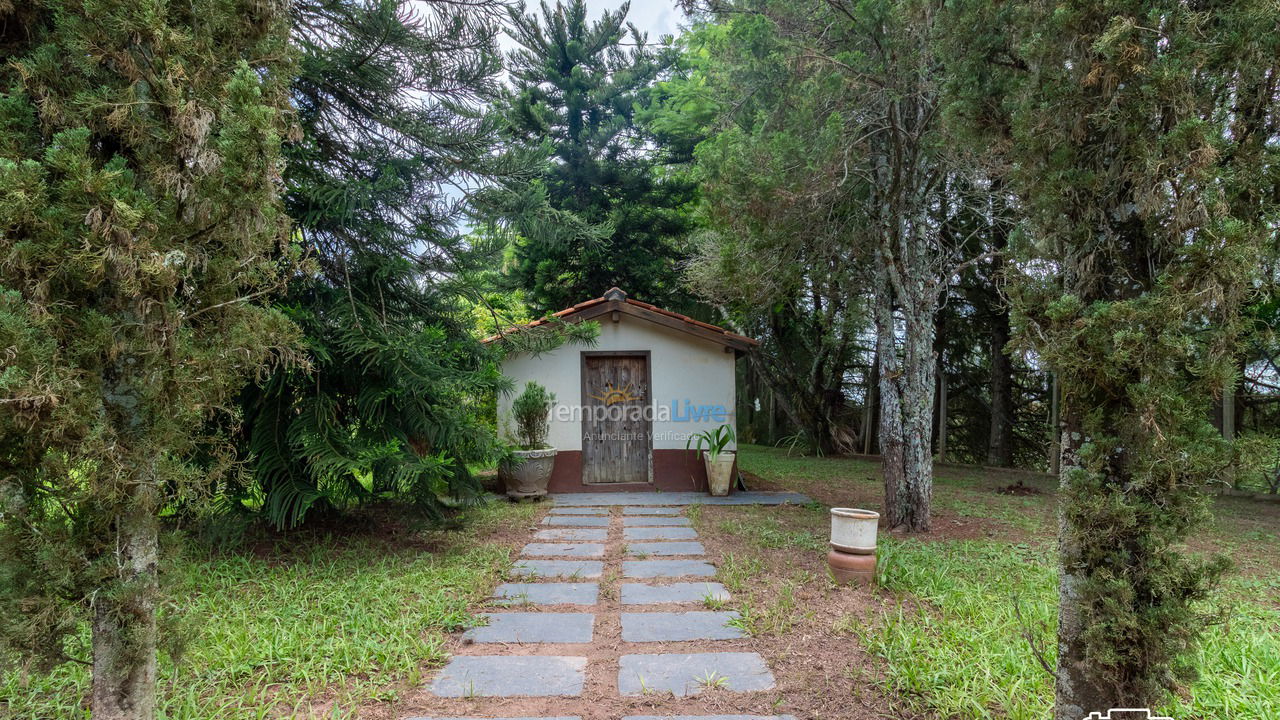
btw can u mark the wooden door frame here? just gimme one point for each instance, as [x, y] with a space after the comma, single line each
[648, 379]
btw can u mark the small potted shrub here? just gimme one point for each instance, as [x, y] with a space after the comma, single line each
[716, 456]
[528, 470]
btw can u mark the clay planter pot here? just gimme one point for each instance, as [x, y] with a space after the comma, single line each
[719, 473]
[848, 568]
[527, 476]
[854, 530]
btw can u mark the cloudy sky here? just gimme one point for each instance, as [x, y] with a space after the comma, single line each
[656, 17]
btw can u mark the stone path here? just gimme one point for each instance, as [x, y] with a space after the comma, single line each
[657, 579]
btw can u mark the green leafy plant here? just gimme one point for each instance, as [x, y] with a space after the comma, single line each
[713, 442]
[531, 411]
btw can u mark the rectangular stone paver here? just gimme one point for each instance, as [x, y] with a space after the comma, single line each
[666, 568]
[690, 674]
[575, 521]
[536, 549]
[658, 533]
[679, 626]
[550, 593]
[654, 520]
[533, 627]
[663, 548]
[580, 511]
[684, 592]
[652, 510]
[580, 534]
[511, 676]
[574, 718]
[587, 569]
[705, 718]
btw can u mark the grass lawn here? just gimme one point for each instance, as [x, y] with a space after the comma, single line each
[311, 628]
[955, 616]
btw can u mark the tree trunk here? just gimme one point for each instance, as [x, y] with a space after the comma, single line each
[124, 620]
[1055, 427]
[1078, 687]
[942, 413]
[1000, 439]
[871, 399]
[906, 409]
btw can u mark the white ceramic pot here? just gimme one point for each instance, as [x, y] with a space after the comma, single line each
[854, 530]
[719, 473]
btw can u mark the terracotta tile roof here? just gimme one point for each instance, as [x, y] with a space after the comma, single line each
[617, 295]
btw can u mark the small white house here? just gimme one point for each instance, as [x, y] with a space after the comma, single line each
[626, 406]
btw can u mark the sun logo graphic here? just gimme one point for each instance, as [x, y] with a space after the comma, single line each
[1126, 714]
[614, 395]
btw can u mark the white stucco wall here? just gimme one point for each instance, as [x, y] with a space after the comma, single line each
[684, 369]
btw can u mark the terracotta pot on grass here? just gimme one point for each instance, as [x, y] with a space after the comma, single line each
[852, 558]
[848, 568]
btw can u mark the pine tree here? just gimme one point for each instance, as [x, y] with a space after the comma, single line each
[606, 210]
[139, 221]
[1140, 137]
[391, 403]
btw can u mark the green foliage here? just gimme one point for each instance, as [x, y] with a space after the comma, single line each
[313, 621]
[394, 403]
[603, 210]
[139, 220]
[714, 442]
[532, 412]
[1135, 136]
[777, 246]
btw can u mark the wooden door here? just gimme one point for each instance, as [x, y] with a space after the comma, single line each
[617, 431]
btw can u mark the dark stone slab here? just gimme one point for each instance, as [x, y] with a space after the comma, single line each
[652, 510]
[659, 533]
[574, 718]
[679, 626]
[683, 592]
[536, 549]
[653, 520]
[511, 676]
[691, 674]
[548, 593]
[666, 568]
[577, 534]
[710, 717]
[533, 627]
[677, 498]
[599, 510]
[558, 568]
[576, 521]
[663, 548]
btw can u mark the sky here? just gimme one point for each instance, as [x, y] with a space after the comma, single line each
[655, 17]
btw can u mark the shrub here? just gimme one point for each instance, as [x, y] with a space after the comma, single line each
[531, 411]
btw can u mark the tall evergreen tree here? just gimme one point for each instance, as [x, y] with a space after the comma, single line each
[139, 220]
[1141, 139]
[613, 212]
[389, 95]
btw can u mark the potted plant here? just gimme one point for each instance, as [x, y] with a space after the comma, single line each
[716, 456]
[528, 470]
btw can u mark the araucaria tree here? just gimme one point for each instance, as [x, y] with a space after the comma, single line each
[388, 97]
[139, 220]
[1141, 137]
[603, 212]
